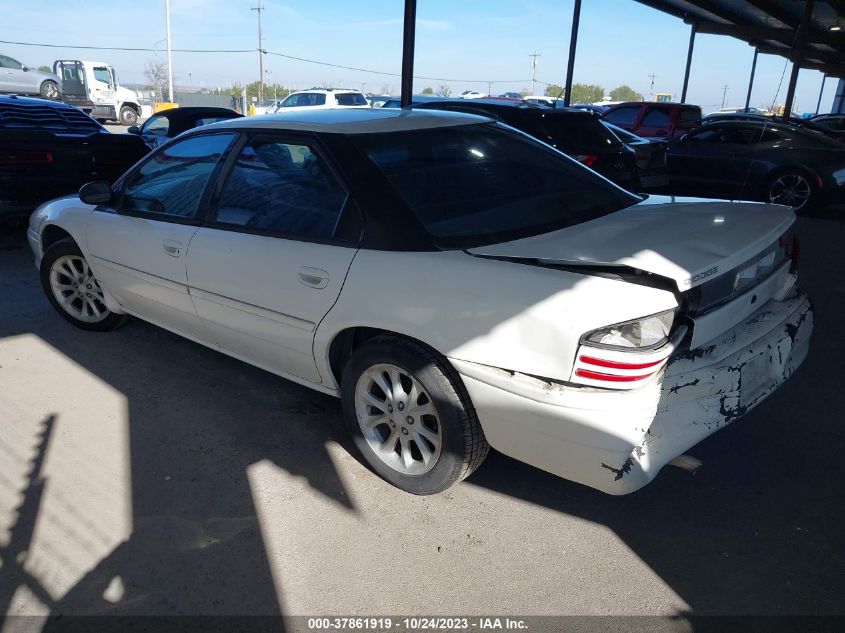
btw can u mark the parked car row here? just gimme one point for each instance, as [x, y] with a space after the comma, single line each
[621, 331]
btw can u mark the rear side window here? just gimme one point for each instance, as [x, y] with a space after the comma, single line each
[656, 117]
[171, 183]
[282, 188]
[351, 99]
[623, 116]
[157, 126]
[689, 117]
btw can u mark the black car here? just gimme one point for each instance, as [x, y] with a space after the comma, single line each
[759, 160]
[164, 125]
[808, 124]
[49, 149]
[833, 122]
[650, 157]
[577, 133]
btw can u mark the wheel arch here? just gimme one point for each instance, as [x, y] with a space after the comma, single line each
[347, 341]
[53, 233]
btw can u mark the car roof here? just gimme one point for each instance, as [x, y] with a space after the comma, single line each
[353, 121]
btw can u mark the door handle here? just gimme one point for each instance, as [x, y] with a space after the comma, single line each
[313, 277]
[172, 248]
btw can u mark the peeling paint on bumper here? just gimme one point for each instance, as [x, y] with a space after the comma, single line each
[617, 442]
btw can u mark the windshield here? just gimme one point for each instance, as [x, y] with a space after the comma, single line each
[484, 183]
[101, 73]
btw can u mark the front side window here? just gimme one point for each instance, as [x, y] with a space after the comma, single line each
[483, 183]
[171, 183]
[623, 116]
[157, 126]
[102, 74]
[281, 188]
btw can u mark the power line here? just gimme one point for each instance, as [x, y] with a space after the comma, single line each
[266, 52]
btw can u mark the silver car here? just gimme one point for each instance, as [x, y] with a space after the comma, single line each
[16, 78]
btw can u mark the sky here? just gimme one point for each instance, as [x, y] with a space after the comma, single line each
[463, 44]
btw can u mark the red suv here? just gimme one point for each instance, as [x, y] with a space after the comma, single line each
[654, 120]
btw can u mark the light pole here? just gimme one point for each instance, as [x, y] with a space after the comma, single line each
[169, 53]
[259, 9]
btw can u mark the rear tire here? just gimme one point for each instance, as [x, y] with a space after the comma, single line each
[128, 116]
[73, 290]
[49, 90]
[410, 416]
[794, 188]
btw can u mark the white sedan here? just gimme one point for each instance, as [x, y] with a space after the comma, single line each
[456, 283]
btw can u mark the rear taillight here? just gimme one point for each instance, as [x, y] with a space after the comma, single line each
[586, 159]
[26, 158]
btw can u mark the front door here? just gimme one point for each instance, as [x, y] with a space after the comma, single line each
[138, 246]
[273, 255]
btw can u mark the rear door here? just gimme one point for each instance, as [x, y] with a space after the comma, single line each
[138, 245]
[273, 255]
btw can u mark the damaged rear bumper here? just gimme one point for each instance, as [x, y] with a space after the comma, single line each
[618, 441]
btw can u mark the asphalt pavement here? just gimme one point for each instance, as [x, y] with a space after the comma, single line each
[141, 473]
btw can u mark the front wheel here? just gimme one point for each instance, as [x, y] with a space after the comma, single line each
[410, 416]
[50, 90]
[128, 116]
[73, 290]
[793, 189]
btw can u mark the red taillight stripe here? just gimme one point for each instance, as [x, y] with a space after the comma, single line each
[610, 364]
[26, 158]
[594, 375]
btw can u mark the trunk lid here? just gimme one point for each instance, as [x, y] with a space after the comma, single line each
[688, 240]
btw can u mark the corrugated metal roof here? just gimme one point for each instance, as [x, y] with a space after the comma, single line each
[771, 25]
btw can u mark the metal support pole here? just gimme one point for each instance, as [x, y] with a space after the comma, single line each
[821, 92]
[259, 9]
[751, 78]
[408, 36]
[692, 30]
[797, 54]
[169, 54]
[573, 45]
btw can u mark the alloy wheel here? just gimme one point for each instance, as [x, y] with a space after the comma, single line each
[76, 289]
[398, 419]
[792, 190]
[51, 91]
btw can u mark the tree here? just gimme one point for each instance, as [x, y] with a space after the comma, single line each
[586, 93]
[625, 93]
[428, 91]
[525, 92]
[443, 91]
[553, 90]
[45, 69]
[156, 73]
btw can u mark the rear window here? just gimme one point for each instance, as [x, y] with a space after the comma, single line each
[62, 120]
[483, 184]
[351, 99]
[656, 117]
[579, 129]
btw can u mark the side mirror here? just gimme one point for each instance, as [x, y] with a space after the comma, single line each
[26, 69]
[96, 193]
[134, 130]
[684, 138]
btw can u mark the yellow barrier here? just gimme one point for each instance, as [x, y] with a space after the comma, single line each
[164, 105]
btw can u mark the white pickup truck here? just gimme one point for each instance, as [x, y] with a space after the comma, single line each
[92, 87]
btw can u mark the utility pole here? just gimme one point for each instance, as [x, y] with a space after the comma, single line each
[724, 95]
[651, 87]
[533, 57]
[489, 88]
[259, 9]
[169, 53]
